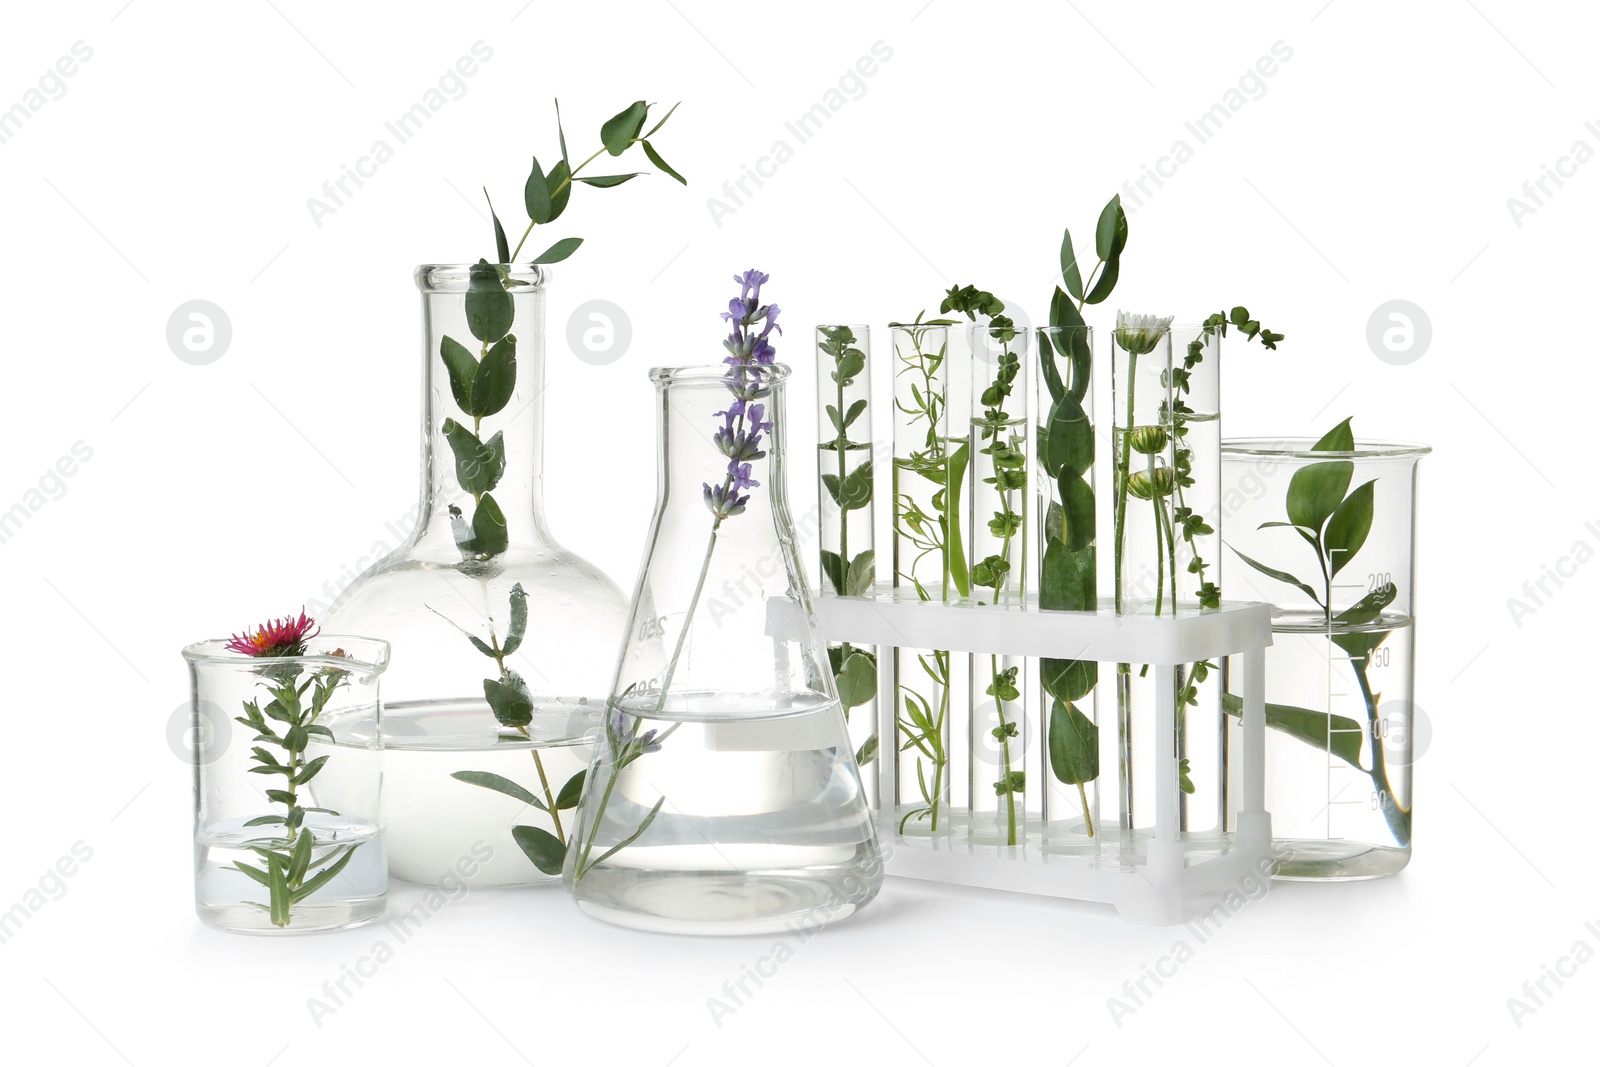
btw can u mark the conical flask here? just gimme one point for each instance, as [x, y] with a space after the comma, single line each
[724, 796]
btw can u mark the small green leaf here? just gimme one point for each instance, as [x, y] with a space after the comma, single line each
[1111, 231]
[324, 876]
[1074, 744]
[1068, 679]
[264, 820]
[1339, 439]
[561, 134]
[1348, 527]
[478, 465]
[499, 784]
[651, 132]
[1282, 576]
[855, 492]
[661, 164]
[1335, 734]
[560, 182]
[868, 751]
[509, 700]
[542, 847]
[496, 378]
[1066, 579]
[559, 251]
[519, 620]
[309, 771]
[300, 858]
[488, 527]
[857, 680]
[1106, 282]
[606, 181]
[1069, 439]
[1316, 490]
[536, 194]
[502, 248]
[833, 567]
[489, 306]
[255, 874]
[1069, 266]
[1077, 512]
[859, 576]
[621, 129]
[571, 793]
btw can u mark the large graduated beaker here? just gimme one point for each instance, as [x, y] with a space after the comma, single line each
[1325, 531]
[724, 796]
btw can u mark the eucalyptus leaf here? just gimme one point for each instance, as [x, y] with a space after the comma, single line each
[1069, 266]
[1077, 511]
[661, 164]
[560, 182]
[519, 619]
[488, 527]
[461, 366]
[1106, 282]
[560, 250]
[606, 181]
[536, 194]
[651, 132]
[502, 247]
[621, 129]
[488, 305]
[478, 465]
[1066, 583]
[1069, 439]
[496, 378]
[1111, 231]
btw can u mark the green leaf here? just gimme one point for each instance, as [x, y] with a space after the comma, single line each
[519, 620]
[1316, 490]
[1369, 608]
[277, 890]
[1069, 440]
[1077, 513]
[1106, 282]
[509, 700]
[1348, 527]
[859, 576]
[571, 793]
[621, 129]
[651, 132]
[489, 306]
[499, 784]
[661, 164]
[324, 876]
[832, 563]
[536, 194]
[461, 366]
[496, 378]
[955, 559]
[561, 134]
[1336, 734]
[560, 182]
[559, 251]
[264, 820]
[300, 858]
[856, 490]
[542, 847]
[1066, 579]
[255, 874]
[1074, 744]
[478, 465]
[502, 248]
[1068, 679]
[868, 751]
[1339, 439]
[1069, 266]
[309, 771]
[857, 680]
[1282, 576]
[606, 181]
[488, 527]
[1111, 231]
[850, 365]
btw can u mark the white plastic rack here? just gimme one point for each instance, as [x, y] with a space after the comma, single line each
[1163, 879]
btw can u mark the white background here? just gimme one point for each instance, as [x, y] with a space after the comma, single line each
[1374, 164]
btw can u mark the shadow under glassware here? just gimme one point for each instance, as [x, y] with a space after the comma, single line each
[449, 606]
[287, 832]
[1342, 720]
[724, 796]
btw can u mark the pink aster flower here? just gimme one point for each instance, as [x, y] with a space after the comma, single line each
[276, 637]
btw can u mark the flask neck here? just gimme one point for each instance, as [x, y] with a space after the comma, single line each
[482, 435]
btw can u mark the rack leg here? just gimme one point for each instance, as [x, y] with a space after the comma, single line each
[1255, 825]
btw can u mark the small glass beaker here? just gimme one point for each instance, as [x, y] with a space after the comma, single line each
[1324, 530]
[724, 796]
[287, 836]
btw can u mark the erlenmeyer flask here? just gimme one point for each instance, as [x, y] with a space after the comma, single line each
[724, 796]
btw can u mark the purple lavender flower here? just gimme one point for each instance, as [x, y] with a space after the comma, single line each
[744, 421]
